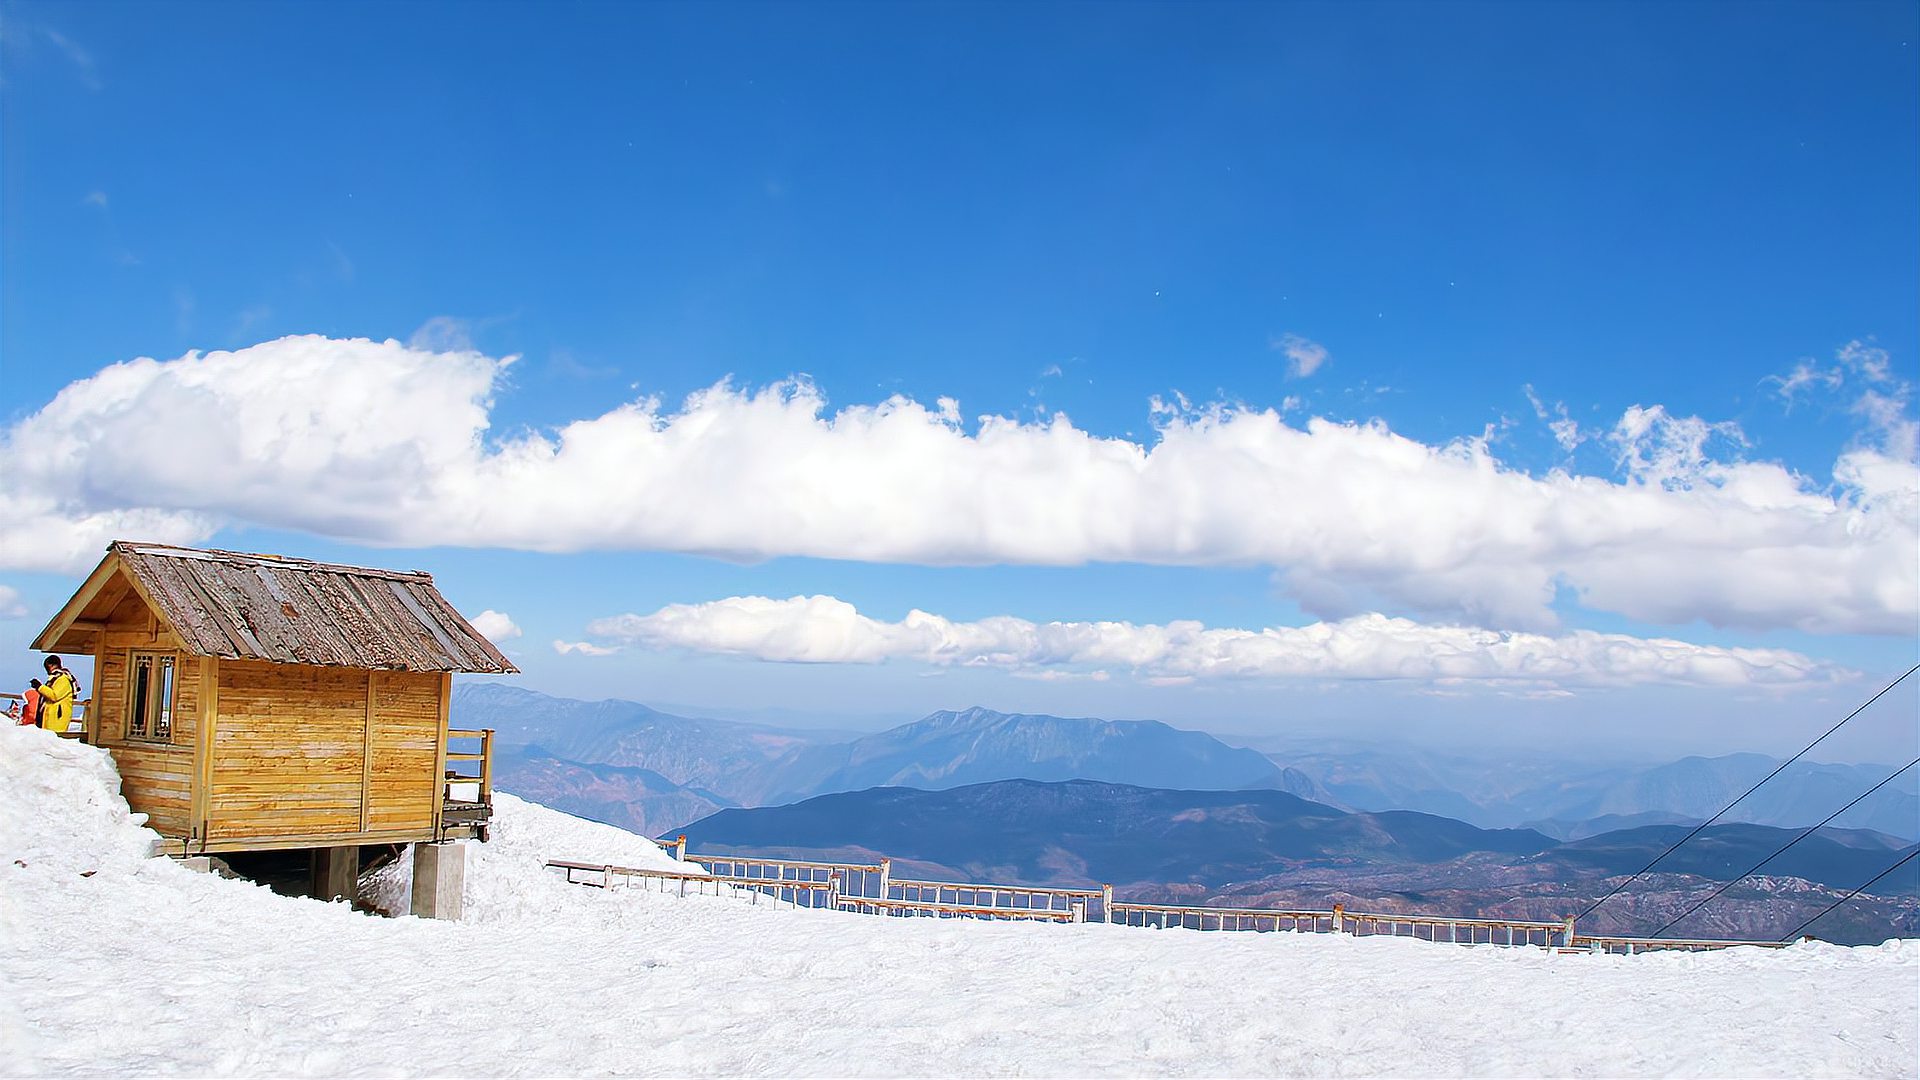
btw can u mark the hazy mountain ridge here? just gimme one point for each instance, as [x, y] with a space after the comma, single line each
[636, 799]
[1265, 848]
[1114, 832]
[725, 757]
[952, 749]
[1564, 798]
[750, 764]
[724, 762]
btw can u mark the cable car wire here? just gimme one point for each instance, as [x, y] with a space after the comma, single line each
[1870, 882]
[1615, 891]
[1811, 829]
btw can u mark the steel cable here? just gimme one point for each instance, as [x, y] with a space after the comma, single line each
[1811, 829]
[1615, 891]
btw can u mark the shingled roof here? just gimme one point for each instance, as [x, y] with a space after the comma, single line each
[291, 611]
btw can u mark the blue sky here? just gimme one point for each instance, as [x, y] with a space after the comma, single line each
[1472, 220]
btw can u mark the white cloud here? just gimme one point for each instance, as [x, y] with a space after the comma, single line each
[826, 630]
[1566, 430]
[496, 626]
[1882, 397]
[379, 442]
[584, 648]
[443, 333]
[1805, 375]
[10, 605]
[1304, 357]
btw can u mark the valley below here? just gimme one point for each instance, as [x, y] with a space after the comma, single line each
[1173, 816]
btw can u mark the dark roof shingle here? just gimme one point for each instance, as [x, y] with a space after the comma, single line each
[294, 611]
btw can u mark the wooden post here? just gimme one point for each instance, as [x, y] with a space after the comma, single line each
[1569, 932]
[366, 759]
[440, 758]
[1339, 918]
[886, 876]
[336, 873]
[1106, 902]
[680, 848]
[486, 766]
[90, 734]
[201, 805]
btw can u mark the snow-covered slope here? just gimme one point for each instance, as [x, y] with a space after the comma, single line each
[113, 962]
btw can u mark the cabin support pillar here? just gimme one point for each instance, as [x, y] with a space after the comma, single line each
[439, 879]
[336, 873]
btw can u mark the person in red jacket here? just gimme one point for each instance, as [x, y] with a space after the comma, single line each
[30, 701]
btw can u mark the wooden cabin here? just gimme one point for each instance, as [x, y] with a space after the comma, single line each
[257, 703]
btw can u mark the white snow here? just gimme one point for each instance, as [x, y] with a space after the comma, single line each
[112, 962]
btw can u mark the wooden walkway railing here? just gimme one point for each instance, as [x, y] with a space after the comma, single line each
[1630, 945]
[482, 757]
[980, 901]
[76, 724]
[1161, 916]
[870, 888]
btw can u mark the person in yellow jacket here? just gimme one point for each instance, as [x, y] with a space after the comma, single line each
[56, 696]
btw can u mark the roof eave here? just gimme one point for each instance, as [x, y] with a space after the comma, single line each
[49, 638]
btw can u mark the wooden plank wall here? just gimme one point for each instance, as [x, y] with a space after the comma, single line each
[406, 745]
[155, 778]
[288, 746]
[323, 752]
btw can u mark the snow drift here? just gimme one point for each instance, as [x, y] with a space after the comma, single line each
[111, 961]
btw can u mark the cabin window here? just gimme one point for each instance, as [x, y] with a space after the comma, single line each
[150, 697]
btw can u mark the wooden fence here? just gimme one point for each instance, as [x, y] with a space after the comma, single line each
[871, 889]
[76, 724]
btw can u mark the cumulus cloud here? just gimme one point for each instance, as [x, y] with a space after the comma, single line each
[826, 630]
[1304, 357]
[10, 604]
[584, 648]
[384, 443]
[496, 626]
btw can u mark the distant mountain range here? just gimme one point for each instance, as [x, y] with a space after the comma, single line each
[1565, 800]
[722, 763]
[951, 749]
[693, 766]
[1086, 831]
[721, 756]
[636, 799]
[1266, 847]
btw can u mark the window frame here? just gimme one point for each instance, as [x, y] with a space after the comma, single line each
[147, 717]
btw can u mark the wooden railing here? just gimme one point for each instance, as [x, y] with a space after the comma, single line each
[1630, 945]
[608, 877]
[1458, 931]
[801, 882]
[76, 724]
[1162, 916]
[870, 888]
[483, 778]
[979, 901]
